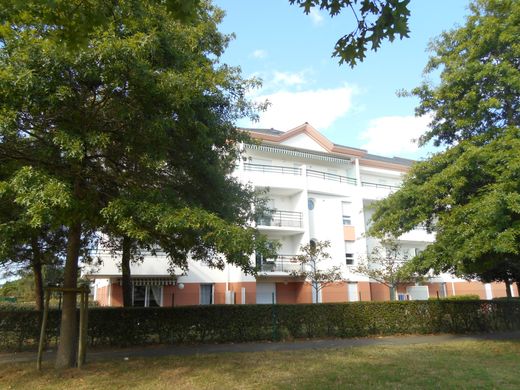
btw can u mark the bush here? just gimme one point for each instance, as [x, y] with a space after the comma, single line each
[467, 297]
[19, 327]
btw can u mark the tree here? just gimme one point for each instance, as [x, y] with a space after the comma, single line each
[387, 264]
[376, 20]
[110, 107]
[312, 254]
[469, 195]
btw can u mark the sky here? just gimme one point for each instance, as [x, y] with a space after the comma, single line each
[291, 53]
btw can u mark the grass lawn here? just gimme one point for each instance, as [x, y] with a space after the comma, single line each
[458, 364]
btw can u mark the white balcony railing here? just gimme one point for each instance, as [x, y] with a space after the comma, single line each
[331, 177]
[282, 263]
[281, 218]
[272, 169]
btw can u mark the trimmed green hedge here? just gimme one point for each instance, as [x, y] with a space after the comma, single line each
[236, 323]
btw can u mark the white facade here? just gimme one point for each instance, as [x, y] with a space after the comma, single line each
[316, 190]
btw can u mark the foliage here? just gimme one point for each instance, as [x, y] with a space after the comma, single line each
[119, 115]
[387, 264]
[465, 297]
[480, 76]
[376, 20]
[312, 272]
[469, 195]
[238, 323]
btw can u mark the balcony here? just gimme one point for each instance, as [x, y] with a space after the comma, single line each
[281, 219]
[272, 169]
[331, 176]
[379, 186]
[283, 264]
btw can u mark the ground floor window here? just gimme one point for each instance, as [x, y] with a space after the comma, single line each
[206, 294]
[147, 296]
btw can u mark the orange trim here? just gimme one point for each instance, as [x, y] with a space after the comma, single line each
[313, 134]
[349, 233]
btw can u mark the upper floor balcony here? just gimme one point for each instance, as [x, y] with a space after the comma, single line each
[278, 176]
[331, 177]
[281, 221]
[377, 191]
[281, 266]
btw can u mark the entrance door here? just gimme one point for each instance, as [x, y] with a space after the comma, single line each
[265, 293]
[353, 294]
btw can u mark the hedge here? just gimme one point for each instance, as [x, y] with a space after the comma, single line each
[19, 327]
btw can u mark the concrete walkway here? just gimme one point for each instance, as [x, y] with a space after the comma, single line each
[201, 349]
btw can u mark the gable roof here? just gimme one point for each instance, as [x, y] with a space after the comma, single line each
[277, 137]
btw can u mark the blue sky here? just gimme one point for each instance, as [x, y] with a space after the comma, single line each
[291, 53]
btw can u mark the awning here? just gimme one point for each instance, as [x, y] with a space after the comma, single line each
[151, 281]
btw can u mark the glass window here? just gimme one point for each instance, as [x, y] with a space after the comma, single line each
[206, 294]
[147, 296]
[349, 252]
[347, 220]
[310, 204]
[139, 296]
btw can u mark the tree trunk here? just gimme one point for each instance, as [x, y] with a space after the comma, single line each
[36, 266]
[126, 273]
[508, 288]
[392, 293]
[66, 355]
[518, 288]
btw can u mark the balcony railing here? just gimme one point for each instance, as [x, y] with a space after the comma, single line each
[378, 185]
[272, 169]
[282, 263]
[281, 219]
[330, 176]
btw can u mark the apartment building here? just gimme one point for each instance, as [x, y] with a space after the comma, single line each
[316, 190]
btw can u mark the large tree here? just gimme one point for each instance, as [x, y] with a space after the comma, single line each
[469, 195]
[102, 103]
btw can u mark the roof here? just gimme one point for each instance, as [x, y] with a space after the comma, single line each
[277, 137]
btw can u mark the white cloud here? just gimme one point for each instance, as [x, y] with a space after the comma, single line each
[289, 79]
[394, 135]
[259, 53]
[320, 107]
[316, 16]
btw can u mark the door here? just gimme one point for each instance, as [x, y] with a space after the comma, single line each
[353, 294]
[265, 293]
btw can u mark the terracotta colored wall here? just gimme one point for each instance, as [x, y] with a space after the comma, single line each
[337, 292]
[434, 289]
[117, 295]
[499, 290]
[250, 292]
[349, 233]
[464, 288]
[219, 293]
[102, 296]
[379, 292]
[286, 293]
[364, 291]
[174, 296]
[303, 293]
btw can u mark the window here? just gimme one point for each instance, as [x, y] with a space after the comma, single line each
[310, 204]
[346, 211]
[206, 294]
[147, 296]
[349, 252]
[349, 257]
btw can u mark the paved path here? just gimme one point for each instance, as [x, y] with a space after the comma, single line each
[200, 349]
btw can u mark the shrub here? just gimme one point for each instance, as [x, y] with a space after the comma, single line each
[467, 297]
[19, 327]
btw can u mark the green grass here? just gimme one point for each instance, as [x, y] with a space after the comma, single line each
[460, 364]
